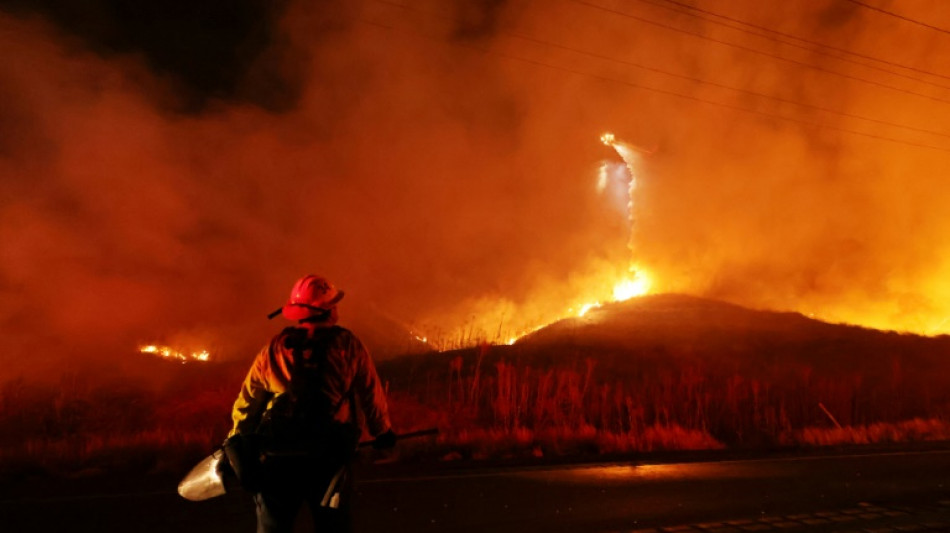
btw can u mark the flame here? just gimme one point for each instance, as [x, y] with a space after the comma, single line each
[171, 353]
[587, 307]
[636, 282]
[637, 285]
[608, 276]
[606, 282]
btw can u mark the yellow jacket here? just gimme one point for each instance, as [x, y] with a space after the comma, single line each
[347, 373]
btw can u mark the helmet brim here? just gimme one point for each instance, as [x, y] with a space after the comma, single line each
[296, 311]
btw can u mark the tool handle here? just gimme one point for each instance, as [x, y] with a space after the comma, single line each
[410, 435]
[365, 443]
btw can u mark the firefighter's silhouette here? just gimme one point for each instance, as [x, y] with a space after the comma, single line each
[296, 418]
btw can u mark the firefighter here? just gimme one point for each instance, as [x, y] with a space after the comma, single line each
[296, 423]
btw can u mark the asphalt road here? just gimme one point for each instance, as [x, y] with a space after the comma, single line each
[894, 491]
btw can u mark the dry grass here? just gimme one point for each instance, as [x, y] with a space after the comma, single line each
[489, 404]
[78, 427]
[498, 401]
[916, 430]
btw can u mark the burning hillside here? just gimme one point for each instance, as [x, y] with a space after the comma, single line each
[746, 376]
[673, 318]
[172, 354]
[701, 330]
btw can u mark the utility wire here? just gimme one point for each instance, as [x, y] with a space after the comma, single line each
[700, 80]
[759, 52]
[813, 46]
[721, 85]
[898, 15]
[505, 55]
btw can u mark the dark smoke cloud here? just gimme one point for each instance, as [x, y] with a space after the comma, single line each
[448, 189]
[478, 18]
[210, 49]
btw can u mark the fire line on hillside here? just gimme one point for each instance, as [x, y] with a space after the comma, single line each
[172, 354]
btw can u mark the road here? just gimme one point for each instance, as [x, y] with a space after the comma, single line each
[893, 491]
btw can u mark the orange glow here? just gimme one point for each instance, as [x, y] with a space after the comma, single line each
[635, 283]
[638, 285]
[170, 353]
[610, 283]
[587, 307]
[471, 215]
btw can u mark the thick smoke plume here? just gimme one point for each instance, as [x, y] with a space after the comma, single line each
[438, 161]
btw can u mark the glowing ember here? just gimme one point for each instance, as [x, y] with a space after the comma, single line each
[607, 138]
[170, 353]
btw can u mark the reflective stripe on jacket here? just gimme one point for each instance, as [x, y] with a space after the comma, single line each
[348, 373]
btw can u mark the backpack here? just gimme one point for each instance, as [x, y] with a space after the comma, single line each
[301, 421]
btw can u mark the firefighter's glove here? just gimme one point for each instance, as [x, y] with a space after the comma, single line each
[385, 441]
[244, 455]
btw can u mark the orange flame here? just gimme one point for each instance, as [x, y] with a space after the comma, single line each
[171, 353]
[605, 282]
[637, 284]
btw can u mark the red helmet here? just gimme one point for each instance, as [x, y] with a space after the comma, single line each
[312, 295]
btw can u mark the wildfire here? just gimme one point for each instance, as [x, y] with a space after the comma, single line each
[173, 354]
[628, 288]
[637, 285]
[601, 283]
[636, 282]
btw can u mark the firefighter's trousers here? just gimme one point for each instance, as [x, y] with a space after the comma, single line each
[291, 482]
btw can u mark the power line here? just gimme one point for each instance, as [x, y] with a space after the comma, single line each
[803, 40]
[898, 15]
[700, 80]
[652, 89]
[759, 52]
[723, 86]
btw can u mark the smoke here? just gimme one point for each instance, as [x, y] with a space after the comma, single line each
[442, 170]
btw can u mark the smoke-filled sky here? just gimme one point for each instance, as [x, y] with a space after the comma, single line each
[167, 172]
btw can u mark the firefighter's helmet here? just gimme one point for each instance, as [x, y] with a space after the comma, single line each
[311, 296]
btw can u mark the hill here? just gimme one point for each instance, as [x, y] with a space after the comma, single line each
[681, 329]
[690, 329]
[743, 375]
